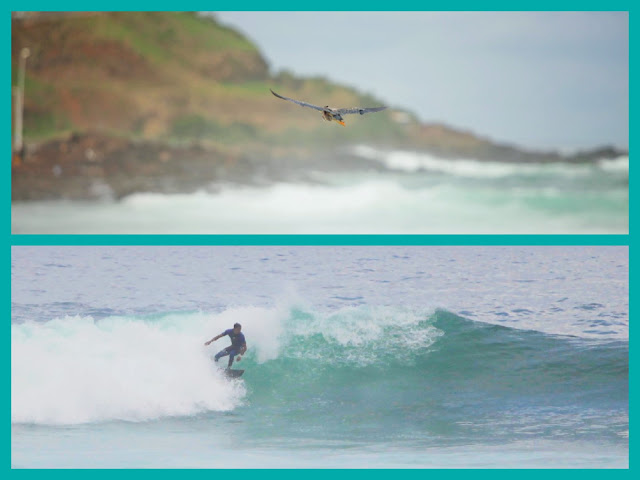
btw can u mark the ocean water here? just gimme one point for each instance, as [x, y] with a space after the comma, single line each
[414, 194]
[359, 357]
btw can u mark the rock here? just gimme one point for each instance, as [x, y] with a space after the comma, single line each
[91, 166]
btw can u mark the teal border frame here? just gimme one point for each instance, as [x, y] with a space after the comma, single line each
[389, 240]
[9, 239]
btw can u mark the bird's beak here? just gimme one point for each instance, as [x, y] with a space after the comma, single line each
[341, 123]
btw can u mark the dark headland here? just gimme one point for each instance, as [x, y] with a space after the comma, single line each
[123, 102]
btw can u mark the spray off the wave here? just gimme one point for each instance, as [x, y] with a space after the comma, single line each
[77, 370]
[408, 364]
[358, 356]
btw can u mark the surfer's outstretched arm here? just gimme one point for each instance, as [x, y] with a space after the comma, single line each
[214, 339]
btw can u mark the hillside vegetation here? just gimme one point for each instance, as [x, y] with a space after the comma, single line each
[121, 102]
[170, 76]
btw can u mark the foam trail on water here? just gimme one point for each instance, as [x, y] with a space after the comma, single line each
[376, 205]
[406, 369]
[616, 165]
[414, 192]
[75, 370]
[408, 161]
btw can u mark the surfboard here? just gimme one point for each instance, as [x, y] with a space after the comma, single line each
[231, 373]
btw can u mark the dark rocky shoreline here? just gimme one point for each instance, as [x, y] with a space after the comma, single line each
[95, 166]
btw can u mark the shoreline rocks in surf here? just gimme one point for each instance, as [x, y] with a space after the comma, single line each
[96, 166]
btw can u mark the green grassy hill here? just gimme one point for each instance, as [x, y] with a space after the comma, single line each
[170, 76]
[179, 78]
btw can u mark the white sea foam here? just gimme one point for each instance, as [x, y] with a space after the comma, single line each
[76, 370]
[374, 205]
[616, 165]
[411, 161]
[365, 333]
[421, 194]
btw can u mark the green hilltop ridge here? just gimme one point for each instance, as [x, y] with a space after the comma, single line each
[170, 76]
[140, 85]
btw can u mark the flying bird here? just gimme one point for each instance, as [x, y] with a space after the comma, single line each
[332, 114]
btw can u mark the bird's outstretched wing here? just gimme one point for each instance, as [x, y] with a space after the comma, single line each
[302, 104]
[361, 111]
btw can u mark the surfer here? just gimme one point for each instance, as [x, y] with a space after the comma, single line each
[238, 344]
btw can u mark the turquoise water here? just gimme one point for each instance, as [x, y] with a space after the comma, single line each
[402, 192]
[358, 357]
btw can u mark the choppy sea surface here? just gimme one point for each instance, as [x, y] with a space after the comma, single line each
[368, 357]
[415, 193]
